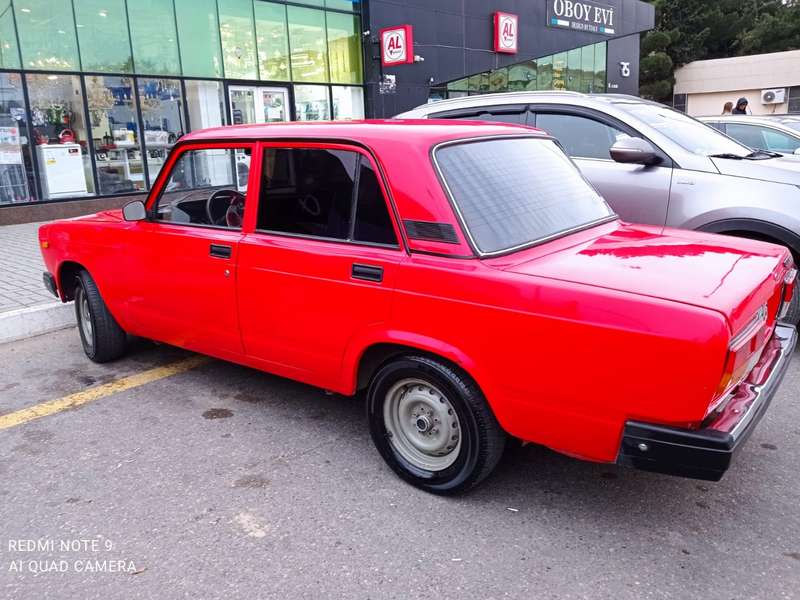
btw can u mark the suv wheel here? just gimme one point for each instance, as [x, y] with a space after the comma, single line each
[432, 425]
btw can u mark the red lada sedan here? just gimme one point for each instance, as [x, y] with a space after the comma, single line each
[464, 275]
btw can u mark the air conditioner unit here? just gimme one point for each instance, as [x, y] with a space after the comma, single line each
[773, 96]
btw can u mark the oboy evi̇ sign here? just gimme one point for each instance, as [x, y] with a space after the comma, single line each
[581, 15]
[506, 32]
[397, 45]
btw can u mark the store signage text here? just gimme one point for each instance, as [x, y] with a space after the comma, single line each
[506, 33]
[582, 15]
[397, 45]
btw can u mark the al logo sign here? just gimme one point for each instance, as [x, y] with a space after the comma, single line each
[397, 45]
[506, 32]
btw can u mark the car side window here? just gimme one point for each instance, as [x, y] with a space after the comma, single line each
[777, 141]
[323, 193]
[749, 135]
[581, 137]
[206, 187]
[372, 221]
[717, 125]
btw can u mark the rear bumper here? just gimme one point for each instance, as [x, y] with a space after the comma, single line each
[706, 453]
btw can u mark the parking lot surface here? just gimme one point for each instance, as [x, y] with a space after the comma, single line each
[211, 480]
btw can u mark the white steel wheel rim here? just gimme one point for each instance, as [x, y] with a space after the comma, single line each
[422, 425]
[86, 318]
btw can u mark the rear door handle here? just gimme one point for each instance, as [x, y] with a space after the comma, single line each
[367, 272]
[220, 251]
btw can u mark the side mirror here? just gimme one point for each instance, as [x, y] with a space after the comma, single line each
[634, 150]
[134, 211]
[797, 151]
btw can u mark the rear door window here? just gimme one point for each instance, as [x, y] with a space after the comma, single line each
[323, 193]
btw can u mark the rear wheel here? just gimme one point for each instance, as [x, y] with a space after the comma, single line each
[102, 338]
[432, 425]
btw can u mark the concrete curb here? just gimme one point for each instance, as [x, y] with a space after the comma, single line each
[35, 320]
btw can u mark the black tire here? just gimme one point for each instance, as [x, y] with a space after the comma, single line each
[103, 340]
[481, 441]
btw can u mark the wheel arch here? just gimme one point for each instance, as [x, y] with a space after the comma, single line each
[67, 272]
[758, 230]
[372, 355]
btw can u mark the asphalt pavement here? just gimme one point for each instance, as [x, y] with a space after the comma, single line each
[224, 482]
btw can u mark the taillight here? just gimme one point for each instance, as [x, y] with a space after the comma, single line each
[742, 352]
[789, 285]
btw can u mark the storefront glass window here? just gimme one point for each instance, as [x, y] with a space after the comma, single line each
[155, 39]
[574, 70]
[311, 2]
[560, 71]
[498, 80]
[163, 120]
[16, 174]
[311, 103]
[478, 84]
[9, 52]
[272, 40]
[115, 133]
[103, 35]
[342, 4]
[544, 73]
[344, 48]
[47, 34]
[348, 102]
[522, 77]
[238, 39]
[587, 69]
[58, 128]
[460, 85]
[205, 102]
[308, 44]
[600, 67]
[198, 34]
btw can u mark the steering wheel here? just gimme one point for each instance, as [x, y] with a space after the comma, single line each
[225, 207]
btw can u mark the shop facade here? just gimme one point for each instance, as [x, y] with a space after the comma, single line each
[94, 93]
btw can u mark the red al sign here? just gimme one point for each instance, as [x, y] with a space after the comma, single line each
[506, 32]
[397, 45]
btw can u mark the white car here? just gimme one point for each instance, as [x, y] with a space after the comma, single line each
[774, 133]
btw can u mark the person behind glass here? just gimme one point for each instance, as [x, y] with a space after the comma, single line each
[741, 107]
[728, 108]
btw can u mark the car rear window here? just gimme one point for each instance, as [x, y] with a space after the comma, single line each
[512, 193]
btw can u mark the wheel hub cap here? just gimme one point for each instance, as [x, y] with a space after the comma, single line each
[422, 425]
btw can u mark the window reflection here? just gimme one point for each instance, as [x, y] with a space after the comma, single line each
[115, 133]
[311, 102]
[58, 129]
[162, 120]
[16, 176]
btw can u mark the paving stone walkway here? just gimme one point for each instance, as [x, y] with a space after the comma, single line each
[21, 268]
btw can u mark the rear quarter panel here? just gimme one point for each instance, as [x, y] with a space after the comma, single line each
[561, 364]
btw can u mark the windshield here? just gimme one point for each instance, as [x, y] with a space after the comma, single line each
[514, 192]
[690, 134]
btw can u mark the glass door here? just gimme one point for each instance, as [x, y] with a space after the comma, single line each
[257, 104]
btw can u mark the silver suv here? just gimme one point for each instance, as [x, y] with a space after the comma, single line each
[654, 164]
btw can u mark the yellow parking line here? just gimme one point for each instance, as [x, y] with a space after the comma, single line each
[101, 391]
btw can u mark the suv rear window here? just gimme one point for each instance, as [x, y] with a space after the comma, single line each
[512, 193]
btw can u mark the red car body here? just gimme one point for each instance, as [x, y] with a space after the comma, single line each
[612, 343]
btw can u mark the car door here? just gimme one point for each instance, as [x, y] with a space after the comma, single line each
[637, 193]
[183, 266]
[319, 269]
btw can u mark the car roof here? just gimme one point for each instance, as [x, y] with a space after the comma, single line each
[530, 97]
[370, 132]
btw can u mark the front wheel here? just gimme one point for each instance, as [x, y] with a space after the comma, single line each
[102, 338]
[432, 425]
[793, 314]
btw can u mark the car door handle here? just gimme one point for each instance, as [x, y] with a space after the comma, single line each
[220, 251]
[367, 272]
